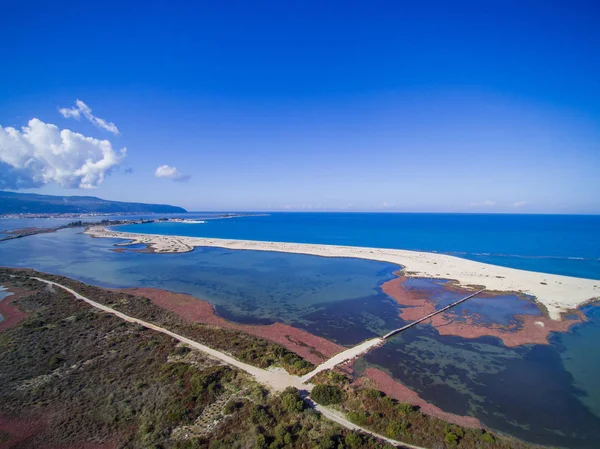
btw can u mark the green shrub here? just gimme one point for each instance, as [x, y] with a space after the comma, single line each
[405, 408]
[260, 442]
[396, 430]
[353, 440]
[291, 401]
[326, 394]
[488, 438]
[372, 394]
[451, 439]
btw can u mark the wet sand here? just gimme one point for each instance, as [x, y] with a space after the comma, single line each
[529, 329]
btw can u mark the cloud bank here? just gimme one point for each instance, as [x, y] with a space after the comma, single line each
[83, 109]
[41, 154]
[166, 171]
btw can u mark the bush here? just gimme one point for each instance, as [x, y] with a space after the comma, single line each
[353, 440]
[396, 430]
[291, 400]
[488, 438]
[260, 442]
[373, 394]
[451, 439]
[326, 394]
[405, 408]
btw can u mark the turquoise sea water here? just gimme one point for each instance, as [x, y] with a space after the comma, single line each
[546, 394]
[560, 244]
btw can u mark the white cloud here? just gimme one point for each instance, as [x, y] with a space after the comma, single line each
[42, 154]
[520, 204]
[82, 108]
[166, 171]
[486, 203]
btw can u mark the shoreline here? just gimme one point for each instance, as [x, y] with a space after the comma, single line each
[557, 294]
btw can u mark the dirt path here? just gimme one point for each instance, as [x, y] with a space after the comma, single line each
[276, 379]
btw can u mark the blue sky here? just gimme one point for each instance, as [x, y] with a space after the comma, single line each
[457, 106]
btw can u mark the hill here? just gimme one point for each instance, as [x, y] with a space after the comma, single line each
[31, 203]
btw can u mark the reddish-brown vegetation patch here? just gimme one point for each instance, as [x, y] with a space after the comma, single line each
[308, 346]
[11, 313]
[396, 390]
[18, 430]
[529, 329]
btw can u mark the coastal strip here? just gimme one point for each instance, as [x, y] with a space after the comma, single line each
[555, 293]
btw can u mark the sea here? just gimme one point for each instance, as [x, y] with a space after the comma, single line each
[546, 394]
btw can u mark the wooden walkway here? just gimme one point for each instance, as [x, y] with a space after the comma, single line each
[414, 323]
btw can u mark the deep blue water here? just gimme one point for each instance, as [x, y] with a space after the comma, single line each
[560, 244]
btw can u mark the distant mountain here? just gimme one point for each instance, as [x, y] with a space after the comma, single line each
[31, 203]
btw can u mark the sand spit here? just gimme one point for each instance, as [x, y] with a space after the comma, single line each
[557, 294]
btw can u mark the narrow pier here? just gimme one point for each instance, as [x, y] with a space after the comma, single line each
[414, 323]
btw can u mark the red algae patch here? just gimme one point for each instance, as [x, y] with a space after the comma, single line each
[11, 313]
[310, 347]
[17, 431]
[529, 329]
[396, 390]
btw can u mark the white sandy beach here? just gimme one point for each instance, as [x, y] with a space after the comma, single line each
[557, 293]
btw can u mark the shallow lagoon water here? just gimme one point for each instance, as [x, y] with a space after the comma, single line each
[523, 391]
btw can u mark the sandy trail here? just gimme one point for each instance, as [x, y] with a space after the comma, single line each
[557, 293]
